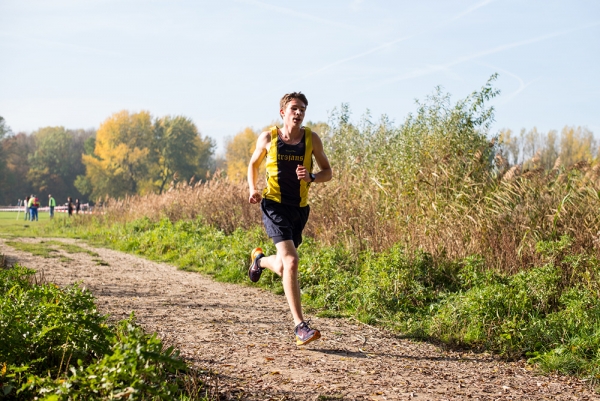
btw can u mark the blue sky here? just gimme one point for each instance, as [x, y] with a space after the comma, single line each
[225, 64]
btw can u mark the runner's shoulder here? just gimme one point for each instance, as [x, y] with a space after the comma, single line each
[264, 139]
[312, 131]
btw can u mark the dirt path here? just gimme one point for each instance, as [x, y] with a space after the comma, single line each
[245, 334]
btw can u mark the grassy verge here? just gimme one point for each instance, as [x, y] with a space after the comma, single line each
[549, 314]
[57, 346]
[50, 249]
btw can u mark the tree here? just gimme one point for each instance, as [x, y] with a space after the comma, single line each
[238, 153]
[576, 144]
[120, 164]
[15, 150]
[549, 152]
[531, 145]
[134, 155]
[4, 130]
[180, 151]
[320, 127]
[55, 162]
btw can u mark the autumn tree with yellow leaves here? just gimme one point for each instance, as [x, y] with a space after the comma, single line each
[238, 153]
[134, 155]
[120, 163]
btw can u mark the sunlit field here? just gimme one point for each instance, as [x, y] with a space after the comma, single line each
[14, 223]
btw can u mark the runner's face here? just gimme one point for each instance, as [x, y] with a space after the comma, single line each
[293, 115]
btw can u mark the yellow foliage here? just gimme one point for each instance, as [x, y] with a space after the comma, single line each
[120, 161]
[576, 144]
[238, 153]
[534, 149]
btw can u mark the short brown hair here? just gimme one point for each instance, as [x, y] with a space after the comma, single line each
[288, 98]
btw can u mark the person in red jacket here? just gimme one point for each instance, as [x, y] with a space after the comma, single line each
[34, 204]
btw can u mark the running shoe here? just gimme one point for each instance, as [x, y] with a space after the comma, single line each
[255, 270]
[304, 334]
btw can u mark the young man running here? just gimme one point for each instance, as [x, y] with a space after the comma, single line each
[284, 202]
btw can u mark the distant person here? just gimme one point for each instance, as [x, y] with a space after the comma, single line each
[34, 204]
[70, 206]
[52, 205]
[27, 208]
[77, 206]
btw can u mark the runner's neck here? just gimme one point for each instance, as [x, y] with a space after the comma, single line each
[291, 137]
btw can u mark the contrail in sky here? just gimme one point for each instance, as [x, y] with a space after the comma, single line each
[342, 61]
[470, 10]
[435, 68]
[522, 84]
[388, 44]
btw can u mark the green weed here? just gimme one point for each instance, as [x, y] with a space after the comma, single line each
[57, 346]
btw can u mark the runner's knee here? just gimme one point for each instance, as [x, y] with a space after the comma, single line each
[290, 263]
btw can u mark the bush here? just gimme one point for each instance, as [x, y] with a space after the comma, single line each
[56, 345]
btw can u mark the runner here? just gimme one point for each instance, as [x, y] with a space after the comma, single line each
[284, 202]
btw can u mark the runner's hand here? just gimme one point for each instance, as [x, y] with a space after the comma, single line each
[302, 173]
[255, 197]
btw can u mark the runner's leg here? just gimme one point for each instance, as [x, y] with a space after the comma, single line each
[285, 264]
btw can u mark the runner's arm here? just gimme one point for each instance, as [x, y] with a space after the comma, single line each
[326, 172]
[258, 156]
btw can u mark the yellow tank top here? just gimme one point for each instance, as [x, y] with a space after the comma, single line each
[283, 185]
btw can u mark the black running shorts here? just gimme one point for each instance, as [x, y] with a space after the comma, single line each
[284, 222]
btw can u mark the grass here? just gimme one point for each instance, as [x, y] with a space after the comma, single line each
[12, 224]
[424, 229]
[70, 248]
[51, 249]
[37, 249]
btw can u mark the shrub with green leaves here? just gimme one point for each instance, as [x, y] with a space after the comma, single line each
[57, 346]
[535, 313]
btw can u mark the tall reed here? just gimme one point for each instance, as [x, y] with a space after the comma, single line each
[436, 182]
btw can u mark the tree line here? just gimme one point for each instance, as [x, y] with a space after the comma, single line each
[538, 150]
[136, 153]
[130, 153]
[47, 161]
